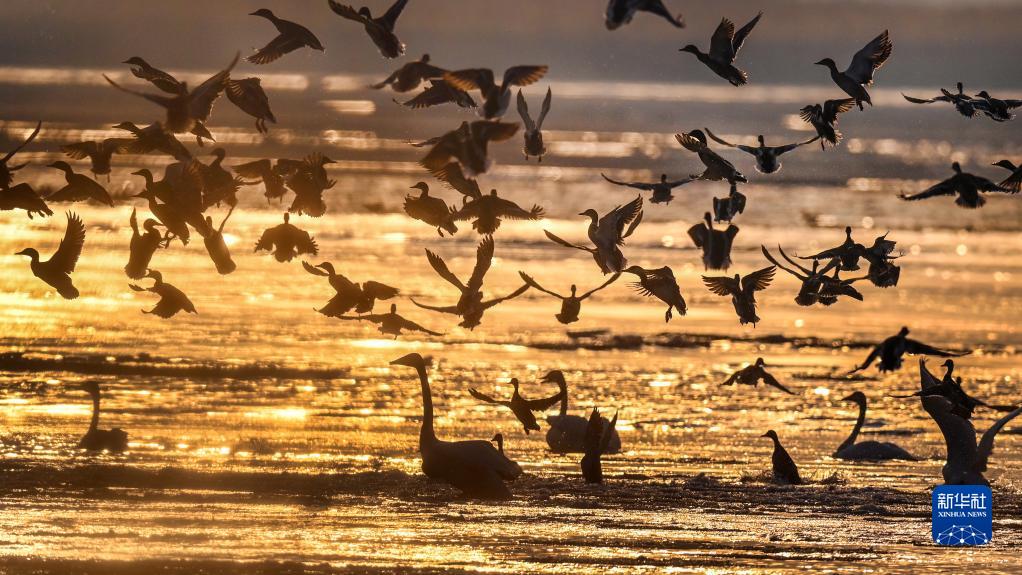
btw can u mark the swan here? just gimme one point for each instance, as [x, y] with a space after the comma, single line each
[870, 450]
[475, 467]
[567, 432]
[96, 439]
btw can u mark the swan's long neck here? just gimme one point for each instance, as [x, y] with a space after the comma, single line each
[94, 424]
[855, 430]
[426, 433]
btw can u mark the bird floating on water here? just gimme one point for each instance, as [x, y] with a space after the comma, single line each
[290, 37]
[715, 244]
[783, 466]
[350, 295]
[967, 459]
[172, 299]
[717, 168]
[286, 241]
[570, 304]
[597, 442]
[380, 29]
[608, 234]
[468, 146]
[431, 210]
[96, 439]
[487, 211]
[6, 171]
[659, 283]
[724, 46]
[390, 323]
[475, 467]
[79, 187]
[868, 450]
[23, 197]
[144, 245]
[496, 98]
[567, 433]
[534, 129]
[522, 408]
[742, 291]
[620, 12]
[767, 157]
[661, 190]
[890, 351]
[755, 373]
[859, 73]
[57, 270]
[411, 75]
[963, 184]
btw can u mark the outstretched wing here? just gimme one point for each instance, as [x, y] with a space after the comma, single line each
[389, 18]
[376, 290]
[722, 286]
[873, 355]
[920, 100]
[612, 279]
[470, 79]
[66, 257]
[986, 444]
[743, 33]
[945, 188]
[787, 148]
[772, 381]
[490, 303]
[870, 59]
[451, 309]
[545, 403]
[412, 326]
[201, 99]
[524, 75]
[721, 43]
[720, 141]
[758, 280]
[636, 185]
[565, 243]
[484, 257]
[608, 434]
[545, 109]
[918, 348]
[831, 108]
[313, 269]
[532, 282]
[698, 233]
[594, 433]
[440, 267]
[23, 144]
[486, 398]
[345, 11]
[523, 111]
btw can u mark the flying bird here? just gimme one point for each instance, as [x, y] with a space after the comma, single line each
[439, 92]
[431, 210]
[715, 244]
[817, 287]
[659, 283]
[662, 190]
[755, 373]
[742, 291]
[248, 95]
[608, 234]
[411, 75]
[391, 323]
[496, 98]
[620, 12]
[290, 37]
[522, 408]
[994, 108]
[468, 146]
[98, 153]
[724, 46]
[534, 129]
[350, 295]
[23, 197]
[155, 76]
[6, 171]
[767, 157]
[964, 185]
[154, 138]
[571, 305]
[272, 177]
[286, 241]
[725, 209]
[859, 73]
[487, 211]
[717, 168]
[172, 299]
[890, 351]
[308, 179]
[962, 103]
[56, 271]
[79, 187]
[144, 245]
[380, 29]
[1014, 181]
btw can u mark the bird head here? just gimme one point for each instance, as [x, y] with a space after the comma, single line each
[220, 153]
[961, 88]
[498, 438]
[422, 186]
[135, 61]
[762, 142]
[514, 383]
[425, 58]
[634, 270]
[554, 376]
[948, 364]
[956, 167]
[411, 360]
[150, 225]
[857, 397]
[848, 232]
[91, 387]
[663, 178]
[699, 135]
[771, 434]
[826, 62]
[129, 126]
[264, 12]
[573, 290]
[591, 213]
[737, 278]
[144, 172]
[1006, 164]
[393, 308]
[30, 252]
[691, 48]
[708, 219]
[364, 12]
[759, 360]
[903, 331]
[155, 275]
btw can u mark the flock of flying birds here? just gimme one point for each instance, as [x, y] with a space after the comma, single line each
[189, 188]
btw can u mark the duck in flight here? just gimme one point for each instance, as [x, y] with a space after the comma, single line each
[571, 305]
[216, 245]
[263, 171]
[390, 323]
[187, 109]
[967, 459]
[7, 171]
[963, 184]
[290, 37]
[962, 103]
[380, 29]
[860, 72]
[1014, 181]
[994, 108]
[951, 389]
[248, 95]
[783, 466]
[620, 12]
[286, 241]
[144, 245]
[172, 299]
[767, 157]
[522, 408]
[496, 98]
[431, 210]
[823, 118]
[724, 46]
[475, 467]
[882, 273]
[350, 295]
[753, 374]
[439, 92]
[566, 433]
[468, 146]
[470, 306]
[154, 138]
[487, 212]
[96, 439]
[659, 283]
[23, 197]
[171, 215]
[534, 128]
[867, 450]
[597, 442]
[890, 351]
[56, 271]
[742, 291]
[715, 244]
[717, 168]
[817, 287]
[411, 75]
[98, 153]
[661, 190]
[725, 209]
[608, 234]
[308, 179]
[79, 187]
[155, 76]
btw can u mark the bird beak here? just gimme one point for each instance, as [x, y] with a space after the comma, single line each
[765, 435]
[849, 398]
[22, 253]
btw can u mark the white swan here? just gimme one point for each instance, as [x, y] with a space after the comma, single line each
[966, 459]
[869, 450]
[474, 467]
[567, 433]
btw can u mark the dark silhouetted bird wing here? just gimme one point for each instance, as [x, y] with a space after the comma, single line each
[869, 59]
[772, 381]
[721, 43]
[377, 290]
[523, 75]
[612, 279]
[484, 257]
[722, 286]
[440, 267]
[486, 398]
[758, 280]
[637, 185]
[743, 33]
[66, 257]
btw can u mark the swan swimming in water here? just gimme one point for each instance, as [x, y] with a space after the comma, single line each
[96, 439]
[475, 467]
[567, 433]
[966, 459]
[869, 450]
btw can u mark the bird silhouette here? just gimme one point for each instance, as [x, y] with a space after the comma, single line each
[248, 95]
[534, 128]
[411, 75]
[79, 188]
[265, 172]
[767, 157]
[962, 103]
[1014, 181]
[608, 234]
[308, 179]
[155, 76]
[659, 283]
[468, 146]
[172, 299]
[439, 92]
[755, 373]
[496, 97]
[867, 450]
[56, 271]
[890, 351]
[23, 197]
[349, 295]
[566, 432]
[597, 442]
[724, 46]
[717, 168]
[98, 153]
[144, 245]
[994, 108]
[431, 210]
[6, 170]
[963, 184]
[390, 323]
[817, 287]
[620, 12]
[742, 291]
[823, 118]
[715, 244]
[661, 190]
[570, 304]
[522, 408]
[487, 211]
[379, 29]
[784, 469]
[290, 37]
[860, 72]
[96, 439]
[286, 241]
